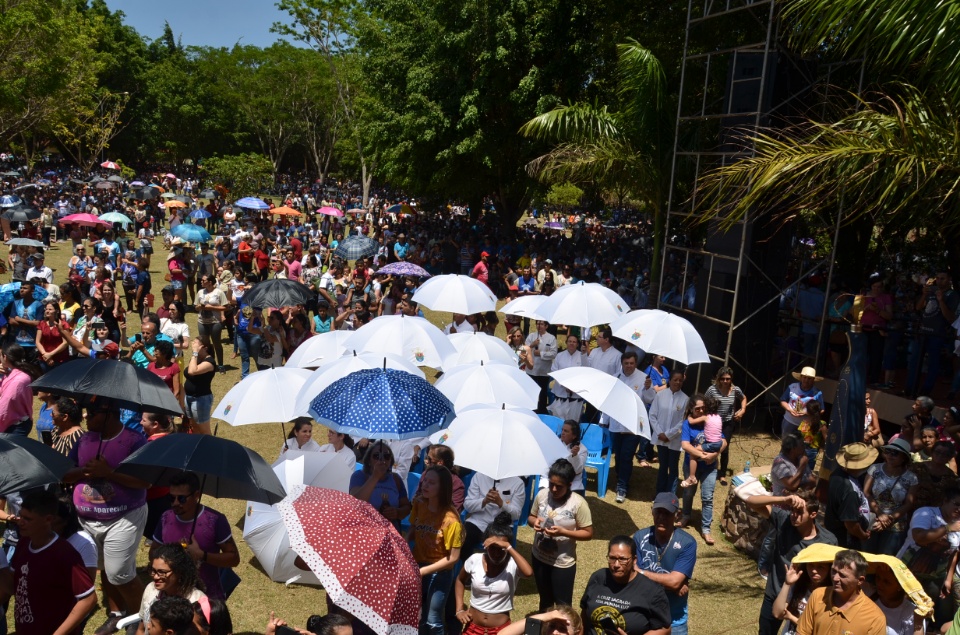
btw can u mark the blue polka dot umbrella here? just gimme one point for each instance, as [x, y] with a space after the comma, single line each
[382, 404]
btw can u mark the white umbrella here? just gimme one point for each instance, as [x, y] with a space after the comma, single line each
[319, 350]
[457, 294]
[479, 347]
[412, 338]
[656, 331]
[582, 304]
[488, 383]
[524, 306]
[263, 528]
[266, 396]
[502, 442]
[607, 394]
[321, 378]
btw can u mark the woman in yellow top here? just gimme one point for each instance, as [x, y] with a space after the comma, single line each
[437, 535]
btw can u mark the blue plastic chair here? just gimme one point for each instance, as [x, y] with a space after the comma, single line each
[554, 423]
[597, 441]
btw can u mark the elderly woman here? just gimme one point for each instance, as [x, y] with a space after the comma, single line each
[174, 574]
[378, 485]
[733, 403]
[890, 489]
[621, 599]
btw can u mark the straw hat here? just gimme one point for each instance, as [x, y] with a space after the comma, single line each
[856, 456]
[807, 371]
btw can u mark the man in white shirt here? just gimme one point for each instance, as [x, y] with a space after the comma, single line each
[544, 348]
[39, 269]
[605, 358]
[484, 500]
[459, 325]
[623, 441]
[567, 404]
[667, 413]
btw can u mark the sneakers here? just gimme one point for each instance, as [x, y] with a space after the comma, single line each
[110, 626]
[621, 496]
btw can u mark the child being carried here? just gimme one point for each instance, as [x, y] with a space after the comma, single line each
[712, 432]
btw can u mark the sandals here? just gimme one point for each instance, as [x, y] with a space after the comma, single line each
[723, 481]
[643, 463]
[683, 523]
[708, 538]
[690, 481]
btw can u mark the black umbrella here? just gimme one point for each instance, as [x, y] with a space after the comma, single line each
[20, 214]
[25, 463]
[226, 468]
[209, 194]
[146, 194]
[115, 179]
[96, 179]
[131, 387]
[278, 292]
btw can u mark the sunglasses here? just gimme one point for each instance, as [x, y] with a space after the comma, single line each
[182, 498]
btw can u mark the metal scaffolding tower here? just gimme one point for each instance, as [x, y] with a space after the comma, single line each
[736, 78]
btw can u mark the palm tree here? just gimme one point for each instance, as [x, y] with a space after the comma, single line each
[894, 158]
[625, 150]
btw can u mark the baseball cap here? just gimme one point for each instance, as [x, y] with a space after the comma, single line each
[667, 501]
[484, 253]
[548, 261]
[106, 348]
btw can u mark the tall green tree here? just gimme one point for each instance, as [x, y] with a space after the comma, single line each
[47, 62]
[623, 146]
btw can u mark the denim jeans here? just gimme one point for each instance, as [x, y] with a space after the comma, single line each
[668, 476]
[706, 481]
[434, 589]
[624, 445]
[248, 344]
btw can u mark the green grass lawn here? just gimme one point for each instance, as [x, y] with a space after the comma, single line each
[725, 594]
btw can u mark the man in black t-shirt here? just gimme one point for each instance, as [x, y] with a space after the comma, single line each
[793, 530]
[847, 507]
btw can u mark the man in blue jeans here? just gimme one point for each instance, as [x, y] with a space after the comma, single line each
[691, 438]
[938, 309]
[623, 441]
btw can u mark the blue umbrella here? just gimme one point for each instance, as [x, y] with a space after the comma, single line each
[382, 404]
[44, 182]
[9, 200]
[252, 202]
[200, 213]
[49, 173]
[191, 233]
[355, 247]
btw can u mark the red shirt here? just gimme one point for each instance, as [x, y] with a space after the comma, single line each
[48, 584]
[245, 257]
[50, 339]
[166, 374]
[263, 259]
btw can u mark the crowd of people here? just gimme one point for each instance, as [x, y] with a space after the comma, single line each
[462, 525]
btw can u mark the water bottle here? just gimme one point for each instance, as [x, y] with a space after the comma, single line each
[746, 468]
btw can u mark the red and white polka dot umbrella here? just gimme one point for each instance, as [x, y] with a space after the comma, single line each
[363, 563]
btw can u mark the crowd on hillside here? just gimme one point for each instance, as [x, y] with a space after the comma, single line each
[56, 542]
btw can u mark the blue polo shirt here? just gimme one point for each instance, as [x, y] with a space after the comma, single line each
[139, 359]
[679, 554]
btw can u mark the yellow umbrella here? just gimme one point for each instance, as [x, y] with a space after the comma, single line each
[175, 204]
[826, 553]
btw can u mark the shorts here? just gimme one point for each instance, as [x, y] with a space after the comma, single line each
[176, 284]
[476, 629]
[198, 408]
[118, 542]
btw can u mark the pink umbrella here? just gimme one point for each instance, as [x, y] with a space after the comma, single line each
[330, 211]
[363, 563]
[110, 165]
[169, 176]
[85, 220]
